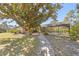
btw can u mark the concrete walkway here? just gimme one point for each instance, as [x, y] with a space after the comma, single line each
[63, 46]
[44, 43]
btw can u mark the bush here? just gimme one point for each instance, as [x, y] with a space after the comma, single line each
[34, 31]
[13, 31]
[74, 32]
[45, 33]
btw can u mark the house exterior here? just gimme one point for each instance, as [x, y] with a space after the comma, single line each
[60, 27]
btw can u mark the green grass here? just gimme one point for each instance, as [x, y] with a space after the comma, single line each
[10, 35]
[22, 46]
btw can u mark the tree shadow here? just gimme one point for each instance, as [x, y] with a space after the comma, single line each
[20, 47]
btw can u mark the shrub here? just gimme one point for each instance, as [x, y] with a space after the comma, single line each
[74, 32]
[13, 31]
[45, 33]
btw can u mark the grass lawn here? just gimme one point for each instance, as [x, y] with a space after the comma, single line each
[20, 45]
[10, 35]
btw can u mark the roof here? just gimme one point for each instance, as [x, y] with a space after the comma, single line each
[55, 24]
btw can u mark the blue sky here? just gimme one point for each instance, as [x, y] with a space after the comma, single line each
[61, 13]
[66, 7]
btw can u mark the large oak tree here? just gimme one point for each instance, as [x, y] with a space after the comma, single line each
[29, 15]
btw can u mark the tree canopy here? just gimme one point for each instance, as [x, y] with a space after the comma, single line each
[70, 17]
[29, 15]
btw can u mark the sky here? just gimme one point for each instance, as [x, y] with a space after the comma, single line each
[66, 7]
[61, 13]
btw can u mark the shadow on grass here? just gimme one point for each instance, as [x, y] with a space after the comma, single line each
[25, 46]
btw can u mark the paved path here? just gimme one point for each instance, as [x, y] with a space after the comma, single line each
[63, 46]
[44, 43]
